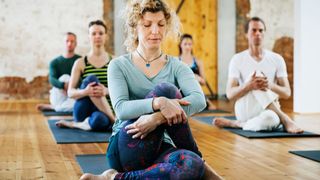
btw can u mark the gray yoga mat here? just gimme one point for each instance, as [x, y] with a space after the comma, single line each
[55, 113]
[69, 135]
[259, 134]
[311, 154]
[93, 163]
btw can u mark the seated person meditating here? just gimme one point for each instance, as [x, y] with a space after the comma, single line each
[257, 78]
[151, 137]
[92, 109]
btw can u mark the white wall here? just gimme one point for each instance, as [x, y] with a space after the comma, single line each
[119, 48]
[32, 32]
[278, 16]
[307, 59]
[279, 19]
[226, 40]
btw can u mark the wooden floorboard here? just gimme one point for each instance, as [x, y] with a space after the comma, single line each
[28, 150]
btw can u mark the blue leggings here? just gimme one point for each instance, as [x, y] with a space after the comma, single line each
[84, 108]
[151, 157]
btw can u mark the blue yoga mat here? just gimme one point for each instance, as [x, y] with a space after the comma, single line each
[69, 136]
[55, 113]
[213, 111]
[312, 154]
[93, 163]
[253, 134]
[208, 119]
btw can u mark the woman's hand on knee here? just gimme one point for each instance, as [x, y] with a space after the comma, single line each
[99, 90]
[172, 111]
[95, 90]
[142, 126]
[90, 89]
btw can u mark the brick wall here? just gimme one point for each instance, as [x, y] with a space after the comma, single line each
[284, 46]
[32, 34]
[18, 88]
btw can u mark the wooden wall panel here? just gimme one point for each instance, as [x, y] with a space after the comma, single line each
[199, 18]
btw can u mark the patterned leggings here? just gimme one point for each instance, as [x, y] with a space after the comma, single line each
[151, 157]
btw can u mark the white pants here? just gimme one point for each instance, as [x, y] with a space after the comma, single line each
[59, 100]
[251, 111]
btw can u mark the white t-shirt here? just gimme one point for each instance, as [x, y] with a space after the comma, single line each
[242, 66]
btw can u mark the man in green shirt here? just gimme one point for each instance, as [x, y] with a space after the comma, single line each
[59, 75]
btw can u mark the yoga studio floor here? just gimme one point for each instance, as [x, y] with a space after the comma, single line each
[28, 150]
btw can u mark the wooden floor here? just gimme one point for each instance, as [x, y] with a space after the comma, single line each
[28, 150]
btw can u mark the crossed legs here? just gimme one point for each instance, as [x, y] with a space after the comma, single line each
[269, 112]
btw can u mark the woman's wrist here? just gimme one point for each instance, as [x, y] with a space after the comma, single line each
[159, 118]
[157, 103]
[83, 92]
[105, 91]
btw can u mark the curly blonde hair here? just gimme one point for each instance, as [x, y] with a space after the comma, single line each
[135, 10]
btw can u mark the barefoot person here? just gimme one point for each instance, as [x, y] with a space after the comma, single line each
[257, 78]
[59, 76]
[151, 137]
[92, 109]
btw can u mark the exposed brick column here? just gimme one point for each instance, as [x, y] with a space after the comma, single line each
[284, 47]
[108, 17]
[242, 8]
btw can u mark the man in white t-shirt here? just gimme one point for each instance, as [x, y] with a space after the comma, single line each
[257, 78]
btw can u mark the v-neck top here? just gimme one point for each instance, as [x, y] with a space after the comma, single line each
[128, 87]
[243, 65]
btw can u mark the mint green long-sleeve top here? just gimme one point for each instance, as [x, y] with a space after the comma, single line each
[128, 87]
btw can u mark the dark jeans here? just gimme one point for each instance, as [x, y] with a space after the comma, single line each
[84, 108]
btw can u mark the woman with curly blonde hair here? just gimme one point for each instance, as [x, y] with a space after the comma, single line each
[151, 137]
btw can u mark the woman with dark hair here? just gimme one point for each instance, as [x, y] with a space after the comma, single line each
[186, 56]
[92, 109]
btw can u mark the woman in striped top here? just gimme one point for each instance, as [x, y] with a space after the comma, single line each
[92, 110]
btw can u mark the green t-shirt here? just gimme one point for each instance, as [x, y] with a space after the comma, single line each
[58, 67]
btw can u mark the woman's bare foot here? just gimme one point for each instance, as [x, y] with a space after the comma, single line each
[209, 173]
[88, 176]
[41, 107]
[211, 106]
[65, 124]
[223, 122]
[106, 175]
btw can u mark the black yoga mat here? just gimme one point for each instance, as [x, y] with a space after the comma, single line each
[253, 134]
[311, 154]
[93, 163]
[69, 135]
[277, 133]
[55, 113]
